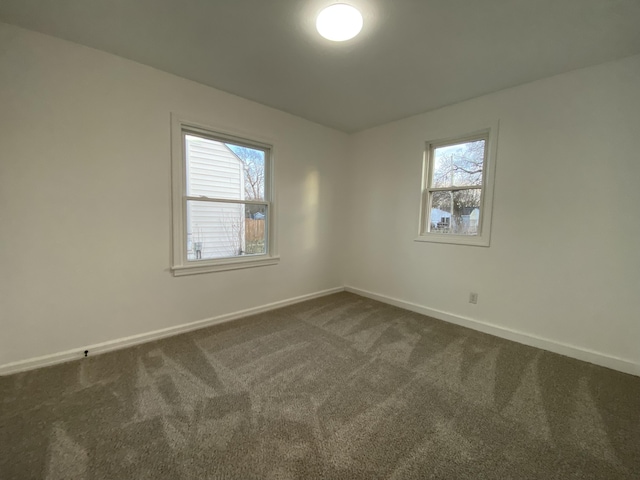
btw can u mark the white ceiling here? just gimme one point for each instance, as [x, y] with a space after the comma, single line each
[412, 55]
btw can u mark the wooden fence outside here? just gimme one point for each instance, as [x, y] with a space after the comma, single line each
[253, 230]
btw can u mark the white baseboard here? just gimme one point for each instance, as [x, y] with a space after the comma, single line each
[579, 353]
[74, 354]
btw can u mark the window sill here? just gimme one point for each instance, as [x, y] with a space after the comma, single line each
[473, 241]
[222, 265]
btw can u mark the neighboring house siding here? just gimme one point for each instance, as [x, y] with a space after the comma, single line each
[438, 215]
[441, 219]
[214, 171]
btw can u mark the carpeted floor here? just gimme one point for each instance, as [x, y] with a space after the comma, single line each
[341, 387]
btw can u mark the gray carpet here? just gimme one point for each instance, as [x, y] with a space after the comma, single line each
[339, 387]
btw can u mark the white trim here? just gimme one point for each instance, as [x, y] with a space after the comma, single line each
[179, 264]
[247, 261]
[597, 358]
[489, 131]
[473, 240]
[111, 345]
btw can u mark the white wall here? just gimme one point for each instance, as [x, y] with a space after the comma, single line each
[85, 205]
[85, 199]
[564, 260]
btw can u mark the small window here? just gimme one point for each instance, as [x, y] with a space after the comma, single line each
[222, 207]
[457, 189]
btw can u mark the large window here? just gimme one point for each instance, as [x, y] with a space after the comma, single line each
[457, 189]
[222, 208]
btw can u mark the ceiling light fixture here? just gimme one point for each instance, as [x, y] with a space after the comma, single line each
[339, 22]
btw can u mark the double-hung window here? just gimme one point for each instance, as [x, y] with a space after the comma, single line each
[457, 191]
[222, 200]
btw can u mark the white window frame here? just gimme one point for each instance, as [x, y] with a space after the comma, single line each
[483, 238]
[180, 265]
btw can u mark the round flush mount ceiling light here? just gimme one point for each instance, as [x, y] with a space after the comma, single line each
[339, 22]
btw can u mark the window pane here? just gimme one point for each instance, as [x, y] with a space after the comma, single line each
[223, 170]
[255, 234]
[458, 165]
[223, 230]
[253, 165]
[456, 212]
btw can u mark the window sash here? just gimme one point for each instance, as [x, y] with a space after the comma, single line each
[230, 257]
[226, 200]
[433, 146]
[204, 198]
[226, 138]
[453, 189]
[267, 206]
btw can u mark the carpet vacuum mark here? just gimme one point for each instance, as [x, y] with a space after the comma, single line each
[339, 387]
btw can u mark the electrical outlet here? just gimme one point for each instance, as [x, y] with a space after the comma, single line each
[473, 298]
